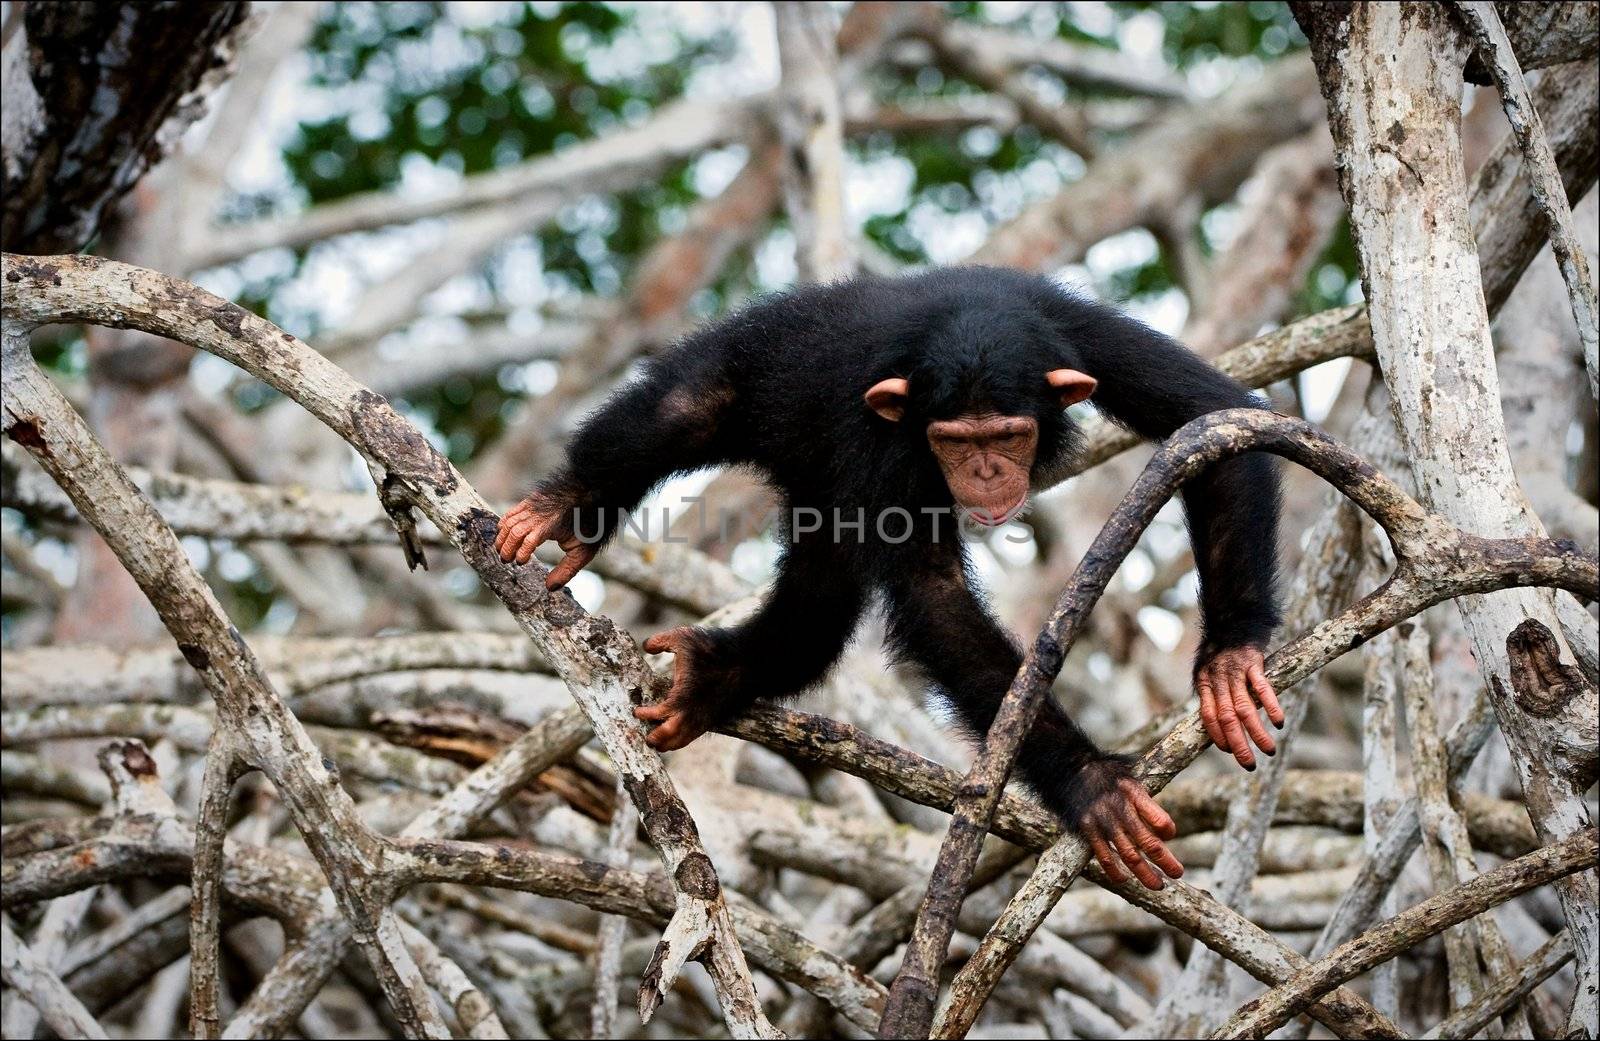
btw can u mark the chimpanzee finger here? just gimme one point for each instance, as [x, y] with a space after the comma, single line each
[1147, 842]
[1110, 863]
[526, 534]
[686, 735]
[1234, 740]
[516, 512]
[1216, 688]
[666, 642]
[1130, 856]
[1146, 806]
[528, 548]
[663, 736]
[1256, 675]
[573, 562]
[535, 532]
[1246, 709]
[1152, 848]
[512, 516]
[654, 712]
[1208, 711]
[523, 551]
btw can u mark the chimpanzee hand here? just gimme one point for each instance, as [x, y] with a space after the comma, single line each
[1229, 684]
[1122, 824]
[536, 519]
[702, 686]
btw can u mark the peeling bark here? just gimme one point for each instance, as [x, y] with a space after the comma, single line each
[1392, 76]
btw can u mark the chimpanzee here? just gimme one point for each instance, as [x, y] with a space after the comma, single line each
[887, 411]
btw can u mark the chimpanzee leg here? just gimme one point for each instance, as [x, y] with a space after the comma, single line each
[937, 622]
[788, 645]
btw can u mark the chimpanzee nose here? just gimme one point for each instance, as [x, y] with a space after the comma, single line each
[985, 468]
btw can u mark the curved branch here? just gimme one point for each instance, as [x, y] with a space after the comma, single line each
[1431, 556]
[600, 664]
[269, 737]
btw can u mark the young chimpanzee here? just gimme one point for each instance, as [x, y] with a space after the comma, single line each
[883, 409]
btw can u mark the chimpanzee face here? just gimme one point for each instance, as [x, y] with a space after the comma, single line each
[986, 458]
[987, 461]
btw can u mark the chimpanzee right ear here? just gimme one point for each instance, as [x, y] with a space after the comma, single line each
[1070, 385]
[888, 398]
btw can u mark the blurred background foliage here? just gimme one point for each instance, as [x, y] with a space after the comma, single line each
[412, 96]
[424, 90]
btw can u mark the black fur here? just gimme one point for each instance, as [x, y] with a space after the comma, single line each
[778, 386]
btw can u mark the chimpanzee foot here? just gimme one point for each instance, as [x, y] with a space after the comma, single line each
[690, 707]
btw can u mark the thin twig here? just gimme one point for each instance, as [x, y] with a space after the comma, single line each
[37, 984]
[1265, 1014]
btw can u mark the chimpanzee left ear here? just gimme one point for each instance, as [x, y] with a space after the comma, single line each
[1070, 385]
[888, 398]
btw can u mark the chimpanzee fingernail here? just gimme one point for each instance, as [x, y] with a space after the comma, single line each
[1250, 766]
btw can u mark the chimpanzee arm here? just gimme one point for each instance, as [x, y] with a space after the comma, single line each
[936, 622]
[668, 422]
[1154, 385]
[674, 419]
[788, 645]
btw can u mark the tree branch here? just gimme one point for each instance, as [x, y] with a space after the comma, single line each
[35, 983]
[601, 666]
[1494, 48]
[1387, 939]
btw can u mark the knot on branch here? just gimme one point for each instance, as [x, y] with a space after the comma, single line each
[1542, 681]
[383, 434]
[697, 877]
[403, 463]
[135, 780]
[28, 431]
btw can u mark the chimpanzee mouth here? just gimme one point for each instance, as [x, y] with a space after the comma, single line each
[988, 517]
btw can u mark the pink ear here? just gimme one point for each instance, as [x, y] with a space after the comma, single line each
[1071, 385]
[888, 398]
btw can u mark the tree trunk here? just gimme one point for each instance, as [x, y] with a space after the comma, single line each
[1397, 129]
